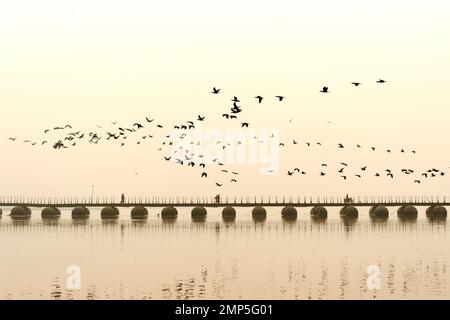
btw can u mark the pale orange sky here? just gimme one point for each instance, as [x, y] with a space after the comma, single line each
[92, 62]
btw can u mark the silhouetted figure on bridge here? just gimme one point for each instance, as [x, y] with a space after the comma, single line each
[217, 198]
[122, 198]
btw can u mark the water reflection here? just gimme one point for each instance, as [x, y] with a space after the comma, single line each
[318, 220]
[259, 219]
[437, 220]
[289, 219]
[219, 258]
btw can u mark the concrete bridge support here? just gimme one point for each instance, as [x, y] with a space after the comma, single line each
[407, 212]
[319, 212]
[50, 213]
[436, 212]
[349, 212]
[80, 213]
[169, 213]
[229, 213]
[379, 212]
[289, 213]
[259, 213]
[110, 213]
[139, 212]
[199, 214]
[20, 212]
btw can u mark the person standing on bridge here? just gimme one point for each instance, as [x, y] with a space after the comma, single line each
[122, 198]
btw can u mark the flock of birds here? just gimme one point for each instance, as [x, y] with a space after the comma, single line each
[182, 153]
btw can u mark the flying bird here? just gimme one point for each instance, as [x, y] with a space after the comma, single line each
[280, 98]
[356, 83]
[259, 98]
[215, 91]
[324, 90]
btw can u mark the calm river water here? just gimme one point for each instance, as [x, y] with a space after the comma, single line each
[213, 259]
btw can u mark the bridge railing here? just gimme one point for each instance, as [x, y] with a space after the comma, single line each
[210, 200]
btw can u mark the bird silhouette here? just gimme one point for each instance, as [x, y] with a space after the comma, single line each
[260, 99]
[417, 181]
[218, 184]
[215, 91]
[280, 98]
[324, 90]
[356, 83]
[235, 99]
[244, 124]
[381, 81]
[200, 118]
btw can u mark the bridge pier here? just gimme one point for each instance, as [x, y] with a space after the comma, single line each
[139, 212]
[20, 212]
[379, 212]
[289, 213]
[349, 211]
[229, 213]
[407, 212]
[259, 213]
[110, 213]
[50, 213]
[80, 213]
[319, 212]
[169, 213]
[198, 214]
[436, 212]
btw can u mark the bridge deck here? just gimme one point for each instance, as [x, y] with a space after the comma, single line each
[366, 201]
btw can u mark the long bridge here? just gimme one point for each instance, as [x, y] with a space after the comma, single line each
[378, 205]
